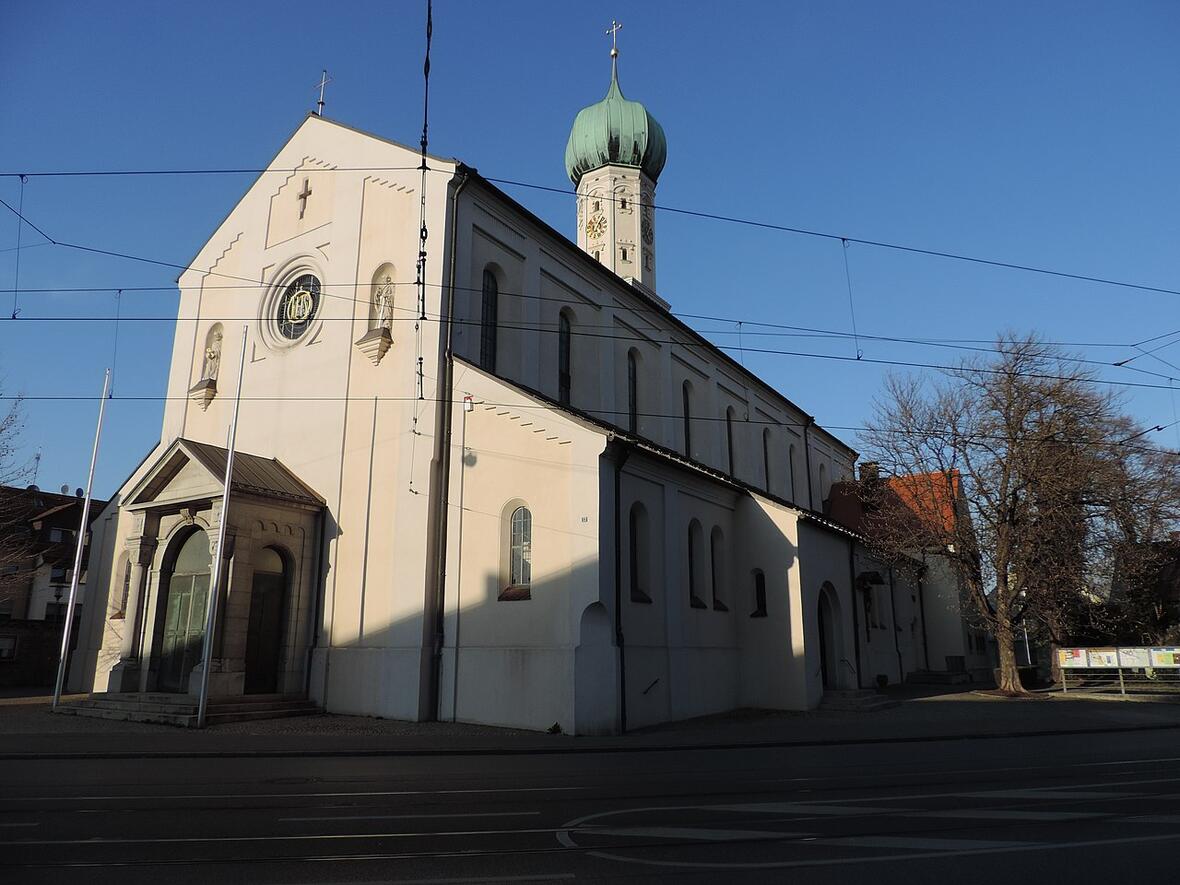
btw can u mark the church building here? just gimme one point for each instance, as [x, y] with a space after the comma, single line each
[494, 482]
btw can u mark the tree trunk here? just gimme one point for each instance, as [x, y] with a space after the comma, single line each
[1009, 681]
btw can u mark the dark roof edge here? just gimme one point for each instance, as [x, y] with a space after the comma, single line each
[614, 432]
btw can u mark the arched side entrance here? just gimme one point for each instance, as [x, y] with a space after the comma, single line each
[831, 638]
[264, 633]
[186, 597]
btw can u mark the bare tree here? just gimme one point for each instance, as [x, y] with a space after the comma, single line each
[1027, 477]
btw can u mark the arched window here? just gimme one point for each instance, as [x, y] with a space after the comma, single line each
[717, 568]
[124, 586]
[695, 552]
[520, 549]
[632, 391]
[823, 483]
[488, 320]
[563, 358]
[759, 595]
[766, 458]
[639, 554]
[729, 437]
[686, 392]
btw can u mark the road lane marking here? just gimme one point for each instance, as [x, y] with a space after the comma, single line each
[415, 816]
[917, 843]
[804, 808]
[132, 796]
[1043, 794]
[692, 833]
[1004, 814]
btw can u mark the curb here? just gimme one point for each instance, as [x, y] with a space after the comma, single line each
[568, 750]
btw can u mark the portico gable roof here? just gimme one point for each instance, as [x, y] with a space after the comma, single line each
[252, 475]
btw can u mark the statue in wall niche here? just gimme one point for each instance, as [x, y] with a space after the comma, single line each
[212, 355]
[383, 304]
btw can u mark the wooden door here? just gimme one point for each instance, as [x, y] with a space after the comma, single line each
[264, 635]
[184, 631]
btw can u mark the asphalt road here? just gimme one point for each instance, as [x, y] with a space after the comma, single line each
[1038, 809]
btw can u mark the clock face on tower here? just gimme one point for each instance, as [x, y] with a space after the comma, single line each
[297, 306]
[596, 226]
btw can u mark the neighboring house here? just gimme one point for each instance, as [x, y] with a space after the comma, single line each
[590, 516]
[952, 640]
[35, 587]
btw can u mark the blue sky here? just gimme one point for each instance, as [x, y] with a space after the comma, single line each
[1040, 134]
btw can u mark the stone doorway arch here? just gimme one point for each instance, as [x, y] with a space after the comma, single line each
[264, 632]
[832, 660]
[185, 597]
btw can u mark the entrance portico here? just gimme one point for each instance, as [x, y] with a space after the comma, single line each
[267, 592]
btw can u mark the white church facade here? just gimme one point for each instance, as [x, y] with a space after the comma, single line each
[522, 493]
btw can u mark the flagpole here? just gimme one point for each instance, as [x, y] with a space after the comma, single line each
[83, 527]
[215, 582]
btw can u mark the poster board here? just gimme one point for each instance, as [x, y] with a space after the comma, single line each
[1102, 657]
[1134, 657]
[1166, 657]
[1072, 658]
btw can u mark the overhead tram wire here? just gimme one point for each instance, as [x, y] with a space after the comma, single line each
[254, 283]
[676, 210]
[596, 413]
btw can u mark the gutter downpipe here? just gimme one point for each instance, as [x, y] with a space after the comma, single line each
[807, 461]
[896, 631]
[434, 613]
[620, 456]
[922, 613]
[855, 605]
[317, 615]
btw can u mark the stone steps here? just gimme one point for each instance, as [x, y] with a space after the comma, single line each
[181, 710]
[855, 701]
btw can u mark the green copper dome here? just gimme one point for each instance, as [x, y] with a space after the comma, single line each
[615, 130]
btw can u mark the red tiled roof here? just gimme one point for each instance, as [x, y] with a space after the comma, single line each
[920, 496]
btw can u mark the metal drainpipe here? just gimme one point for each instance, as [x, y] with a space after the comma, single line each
[620, 456]
[317, 617]
[807, 460]
[855, 605]
[896, 633]
[922, 613]
[436, 540]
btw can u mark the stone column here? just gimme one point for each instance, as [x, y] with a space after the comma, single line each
[141, 550]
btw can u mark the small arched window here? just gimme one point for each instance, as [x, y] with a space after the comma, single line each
[639, 554]
[717, 568]
[520, 555]
[729, 437]
[488, 321]
[759, 595]
[686, 394]
[632, 391]
[564, 379]
[695, 552]
[124, 586]
[766, 458]
[823, 483]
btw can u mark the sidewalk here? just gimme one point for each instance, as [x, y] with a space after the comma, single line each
[28, 730]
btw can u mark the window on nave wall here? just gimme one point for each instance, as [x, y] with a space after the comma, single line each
[488, 320]
[633, 390]
[717, 568]
[640, 551]
[564, 347]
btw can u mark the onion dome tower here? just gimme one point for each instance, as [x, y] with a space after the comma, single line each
[614, 156]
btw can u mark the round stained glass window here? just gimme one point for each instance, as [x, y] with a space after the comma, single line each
[297, 306]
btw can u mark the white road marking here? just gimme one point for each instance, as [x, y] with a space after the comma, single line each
[416, 816]
[917, 843]
[692, 833]
[1043, 794]
[887, 858]
[804, 808]
[133, 796]
[1004, 814]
